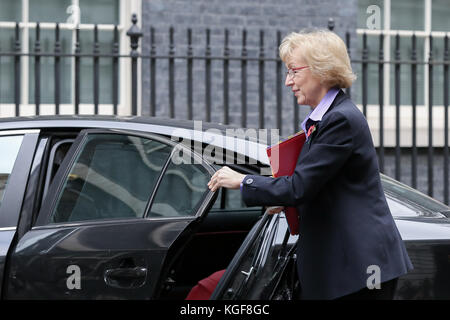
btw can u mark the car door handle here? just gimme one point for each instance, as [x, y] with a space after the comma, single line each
[126, 273]
[126, 277]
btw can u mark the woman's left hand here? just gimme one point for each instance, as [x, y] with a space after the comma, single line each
[226, 178]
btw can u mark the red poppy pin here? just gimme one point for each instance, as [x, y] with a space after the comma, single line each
[311, 130]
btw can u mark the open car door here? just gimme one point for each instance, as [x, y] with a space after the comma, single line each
[264, 267]
[121, 204]
[17, 151]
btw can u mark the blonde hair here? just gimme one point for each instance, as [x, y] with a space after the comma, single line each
[324, 52]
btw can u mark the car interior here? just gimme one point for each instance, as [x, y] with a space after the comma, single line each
[212, 245]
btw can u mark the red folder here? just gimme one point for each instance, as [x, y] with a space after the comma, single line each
[283, 158]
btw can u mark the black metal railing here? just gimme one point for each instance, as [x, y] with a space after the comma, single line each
[400, 64]
[134, 34]
[267, 60]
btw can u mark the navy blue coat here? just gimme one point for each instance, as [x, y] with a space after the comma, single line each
[345, 222]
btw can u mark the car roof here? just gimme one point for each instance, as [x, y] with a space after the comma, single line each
[216, 134]
[31, 121]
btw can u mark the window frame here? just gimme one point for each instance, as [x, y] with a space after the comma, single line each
[51, 162]
[13, 196]
[161, 177]
[22, 136]
[389, 108]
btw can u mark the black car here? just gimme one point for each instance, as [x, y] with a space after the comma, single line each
[118, 208]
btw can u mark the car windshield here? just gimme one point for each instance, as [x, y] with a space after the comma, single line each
[406, 201]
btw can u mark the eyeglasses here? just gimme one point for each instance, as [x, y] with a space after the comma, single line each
[292, 72]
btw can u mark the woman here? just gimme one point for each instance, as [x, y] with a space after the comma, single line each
[348, 239]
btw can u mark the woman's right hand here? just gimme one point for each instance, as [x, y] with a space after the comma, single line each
[274, 210]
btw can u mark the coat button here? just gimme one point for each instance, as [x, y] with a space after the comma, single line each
[249, 181]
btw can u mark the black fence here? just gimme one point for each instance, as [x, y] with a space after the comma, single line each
[243, 58]
[412, 63]
[57, 55]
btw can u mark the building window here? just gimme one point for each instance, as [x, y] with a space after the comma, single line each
[69, 14]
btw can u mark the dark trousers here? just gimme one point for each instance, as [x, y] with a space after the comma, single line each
[386, 292]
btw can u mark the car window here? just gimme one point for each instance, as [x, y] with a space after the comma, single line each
[182, 189]
[9, 148]
[399, 209]
[113, 177]
[419, 202]
[231, 199]
[56, 157]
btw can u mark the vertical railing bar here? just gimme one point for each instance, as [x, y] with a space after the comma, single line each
[115, 93]
[17, 71]
[365, 56]
[208, 76]
[397, 109]
[37, 70]
[152, 73]
[244, 80]
[296, 114]
[134, 33]
[430, 119]
[347, 42]
[446, 126]
[381, 100]
[96, 70]
[414, 112]
[261, 79]
[226, 100]
[77, 71]
[57, 70]
[278, 80]
[171, 74]
[189, 75]
[296, 106]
